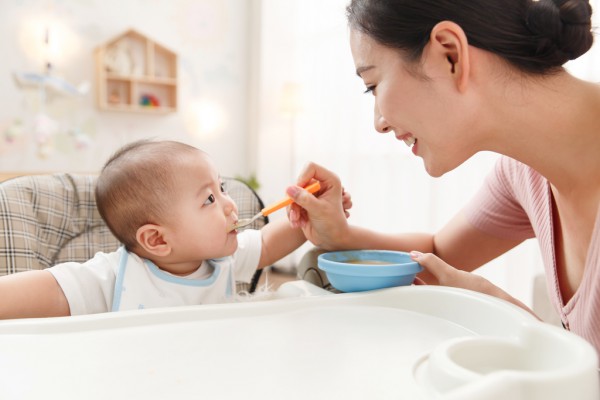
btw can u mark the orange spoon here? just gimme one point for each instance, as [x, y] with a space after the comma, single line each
[312, 188]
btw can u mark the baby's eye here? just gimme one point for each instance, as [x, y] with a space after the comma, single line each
[370, 89]
[211, 199]
[223, 187]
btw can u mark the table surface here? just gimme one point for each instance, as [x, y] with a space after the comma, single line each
[304, 346]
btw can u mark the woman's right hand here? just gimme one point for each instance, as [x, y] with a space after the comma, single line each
[322, 217]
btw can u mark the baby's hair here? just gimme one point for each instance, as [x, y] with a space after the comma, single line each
[134, 186]
[535, 36]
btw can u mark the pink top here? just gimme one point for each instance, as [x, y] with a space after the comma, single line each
[516, 202]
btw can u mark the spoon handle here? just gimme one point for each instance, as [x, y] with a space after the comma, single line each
[312, 188]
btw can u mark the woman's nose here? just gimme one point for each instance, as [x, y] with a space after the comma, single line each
[381, 125]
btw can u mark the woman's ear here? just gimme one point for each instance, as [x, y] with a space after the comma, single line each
[449, 49]
[151, 238]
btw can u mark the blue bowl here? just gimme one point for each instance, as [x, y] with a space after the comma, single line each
[361, 270]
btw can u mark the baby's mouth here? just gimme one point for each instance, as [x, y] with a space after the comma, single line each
[232, 227]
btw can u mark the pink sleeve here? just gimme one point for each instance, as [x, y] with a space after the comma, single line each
[495, 208]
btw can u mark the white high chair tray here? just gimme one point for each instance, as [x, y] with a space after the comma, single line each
[413, 342]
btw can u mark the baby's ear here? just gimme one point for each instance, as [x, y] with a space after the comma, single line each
[150, 237]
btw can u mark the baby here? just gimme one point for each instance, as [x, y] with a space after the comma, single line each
[167, 205]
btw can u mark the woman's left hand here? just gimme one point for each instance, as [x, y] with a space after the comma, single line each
[447, 275]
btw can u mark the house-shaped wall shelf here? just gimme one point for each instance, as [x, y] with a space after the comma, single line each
[136, 74]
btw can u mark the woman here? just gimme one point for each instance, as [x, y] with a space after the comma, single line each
[453, 78]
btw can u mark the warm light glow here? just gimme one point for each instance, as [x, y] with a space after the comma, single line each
[204, 119]
[291, 99]
[45, 39]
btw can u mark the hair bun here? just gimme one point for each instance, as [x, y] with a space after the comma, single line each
[563, 29]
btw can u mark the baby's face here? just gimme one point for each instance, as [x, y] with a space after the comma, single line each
[202, 212]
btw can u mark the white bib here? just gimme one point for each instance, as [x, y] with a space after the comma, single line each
[141, 284]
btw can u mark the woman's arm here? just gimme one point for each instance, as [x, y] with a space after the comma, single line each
[32, 294]
[461, 244]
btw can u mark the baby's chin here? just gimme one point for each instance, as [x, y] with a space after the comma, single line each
[230, 247]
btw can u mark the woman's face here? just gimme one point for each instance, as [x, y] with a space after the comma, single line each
[418, 102]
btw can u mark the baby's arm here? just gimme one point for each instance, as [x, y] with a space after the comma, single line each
[31, 294]
[279, 240]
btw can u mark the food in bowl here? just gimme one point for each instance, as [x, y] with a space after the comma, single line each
[368, 262]
[362, 270]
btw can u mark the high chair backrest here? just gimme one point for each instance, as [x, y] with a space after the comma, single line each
[49, 219]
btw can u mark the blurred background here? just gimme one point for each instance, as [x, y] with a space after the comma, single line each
[264, 86]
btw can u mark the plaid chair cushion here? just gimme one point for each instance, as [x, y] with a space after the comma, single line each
[49, 219]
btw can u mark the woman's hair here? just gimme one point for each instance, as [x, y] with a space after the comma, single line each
[136, 186]
[535, 36]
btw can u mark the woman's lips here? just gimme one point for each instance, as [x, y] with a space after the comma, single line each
[408, 139]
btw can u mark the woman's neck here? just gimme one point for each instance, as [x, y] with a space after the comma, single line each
[552, 125]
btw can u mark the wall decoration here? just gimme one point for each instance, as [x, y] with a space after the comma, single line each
[47, 81]
[42, 126]
[136, 74]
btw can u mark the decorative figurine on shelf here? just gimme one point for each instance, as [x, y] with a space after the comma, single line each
[119, 59]
[149, 100]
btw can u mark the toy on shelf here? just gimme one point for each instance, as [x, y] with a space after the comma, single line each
[149, 100]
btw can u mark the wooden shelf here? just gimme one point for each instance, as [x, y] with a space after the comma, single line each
[143, 79]
[135, 74]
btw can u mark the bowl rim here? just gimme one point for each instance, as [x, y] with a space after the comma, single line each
[366, 270]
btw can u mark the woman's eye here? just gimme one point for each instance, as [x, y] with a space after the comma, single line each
[370, 89]
[211, 199]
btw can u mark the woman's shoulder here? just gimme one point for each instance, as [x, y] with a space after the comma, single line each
[519, 176]
[523, 187]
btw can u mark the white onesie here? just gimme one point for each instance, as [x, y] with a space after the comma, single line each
[123, 281]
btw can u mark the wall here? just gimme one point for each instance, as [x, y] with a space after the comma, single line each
[210, 37]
